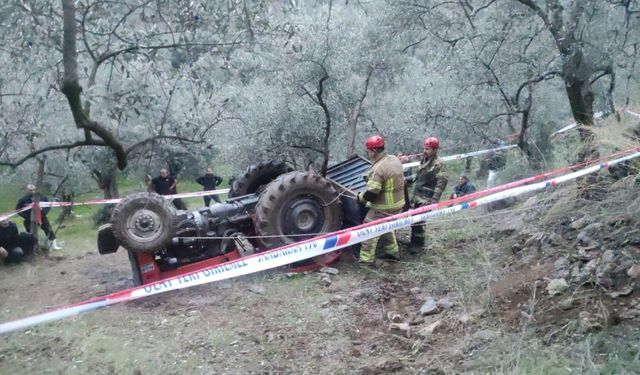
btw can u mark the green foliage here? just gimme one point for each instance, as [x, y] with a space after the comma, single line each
[239, 81]
[609, 352]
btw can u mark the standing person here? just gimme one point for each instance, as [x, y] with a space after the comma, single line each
[496, 160]
[384, 196]
[430, 182]
[167, 185]
[463, 187]
[407, 172]
[209, 182]
[26, 215]
[14, 246]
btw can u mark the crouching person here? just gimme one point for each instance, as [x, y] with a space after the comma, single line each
[463, 187]
[14, 246]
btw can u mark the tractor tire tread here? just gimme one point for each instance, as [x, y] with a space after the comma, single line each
[286, 187]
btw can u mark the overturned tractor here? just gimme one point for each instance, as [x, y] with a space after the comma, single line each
[269, 206]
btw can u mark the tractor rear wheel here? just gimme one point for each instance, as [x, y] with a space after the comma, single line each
[143, 222]
[297, 206]
[257, 176]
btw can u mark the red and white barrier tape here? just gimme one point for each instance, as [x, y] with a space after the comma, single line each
[7, 215]
[636, 114]
[454, 146]
[294, 253]
[481, 152]
[596, 115]
[462, 156]
[575, 124]
[109, 201]
[223, 191]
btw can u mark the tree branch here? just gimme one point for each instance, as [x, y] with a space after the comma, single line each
[71, 88]
[315, 149]
[144, 142]
[537, 79]
[533, 6]
[53, 148]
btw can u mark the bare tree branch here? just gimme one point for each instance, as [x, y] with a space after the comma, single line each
[540, 78]
[71, 88]
[53, 148]
[541, 13]
[302, 147]
[134, 147]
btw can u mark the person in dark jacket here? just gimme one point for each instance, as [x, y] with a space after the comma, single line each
[463, 187]
[209, 182]
[14, 246]
[26, 215]
[430, 182]
[164, 184]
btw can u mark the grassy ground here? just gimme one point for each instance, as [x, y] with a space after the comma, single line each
[275, 324]
[272, 323]
[78, 229]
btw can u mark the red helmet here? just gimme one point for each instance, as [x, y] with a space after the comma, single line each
[374, 142]
[431, 142]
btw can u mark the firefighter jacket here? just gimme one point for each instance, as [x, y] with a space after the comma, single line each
[430, 182]
[386, 180]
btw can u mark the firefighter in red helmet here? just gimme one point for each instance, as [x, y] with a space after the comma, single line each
[430, 181]
[384, 196]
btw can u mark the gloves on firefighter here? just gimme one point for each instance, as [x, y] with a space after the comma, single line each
[360, 197]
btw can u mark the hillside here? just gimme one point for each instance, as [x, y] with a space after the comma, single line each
[489, 288]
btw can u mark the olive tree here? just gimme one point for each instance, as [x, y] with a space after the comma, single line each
[136, 76]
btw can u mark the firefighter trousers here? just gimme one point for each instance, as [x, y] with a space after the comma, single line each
[418, 230]
[387, 241]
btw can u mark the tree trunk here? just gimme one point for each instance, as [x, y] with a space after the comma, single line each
[523, 143]
[562, 22]
[577, 73]
[467, 164]
[110, 190]
[609, 96]
[327, 125]
[581, 101]
[34, 213]
[107, 182]
[352, 131]
[353, 115]
[70, 86]
[61, 192]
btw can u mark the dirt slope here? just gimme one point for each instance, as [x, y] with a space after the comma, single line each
[485, 297]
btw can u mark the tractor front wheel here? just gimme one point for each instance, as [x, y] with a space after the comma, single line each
[143, 222]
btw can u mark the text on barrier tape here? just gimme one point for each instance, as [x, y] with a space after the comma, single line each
[7, 215]
[292, 253]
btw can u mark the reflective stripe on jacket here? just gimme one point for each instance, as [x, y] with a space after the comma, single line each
[385, 179]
